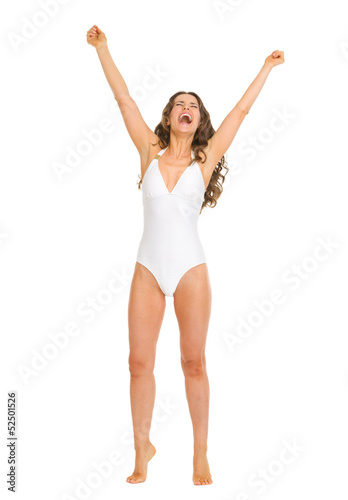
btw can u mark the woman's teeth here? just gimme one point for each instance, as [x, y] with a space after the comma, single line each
[186, 118]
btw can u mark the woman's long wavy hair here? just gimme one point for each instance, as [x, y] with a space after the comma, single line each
[203, 133]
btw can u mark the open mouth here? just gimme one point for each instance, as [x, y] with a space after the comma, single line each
[185, 118]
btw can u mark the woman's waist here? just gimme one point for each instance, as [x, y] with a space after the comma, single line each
[172, 232]
[173, 246]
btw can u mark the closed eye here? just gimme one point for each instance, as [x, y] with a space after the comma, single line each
[179, 104]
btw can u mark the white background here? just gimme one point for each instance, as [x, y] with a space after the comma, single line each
[62, 238]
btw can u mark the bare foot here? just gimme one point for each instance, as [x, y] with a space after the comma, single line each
[142, 457]
[201, 471]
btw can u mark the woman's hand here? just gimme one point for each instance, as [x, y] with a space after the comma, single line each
[277, 57]
[96, 37]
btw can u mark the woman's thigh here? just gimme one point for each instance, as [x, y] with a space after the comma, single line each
[192, 304]
[146, 308]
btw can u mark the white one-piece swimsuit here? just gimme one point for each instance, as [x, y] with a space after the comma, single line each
[170, 243]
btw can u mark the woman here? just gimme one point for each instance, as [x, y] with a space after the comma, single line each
[177, 183]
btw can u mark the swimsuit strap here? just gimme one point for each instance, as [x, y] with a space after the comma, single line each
[160, 153]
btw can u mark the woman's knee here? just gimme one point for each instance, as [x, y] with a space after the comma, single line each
[193, 367]
[138, 366]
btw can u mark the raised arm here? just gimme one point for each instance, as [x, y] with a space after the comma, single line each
[138, 130]
[219, 143]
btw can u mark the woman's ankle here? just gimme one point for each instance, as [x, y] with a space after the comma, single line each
[141, 445]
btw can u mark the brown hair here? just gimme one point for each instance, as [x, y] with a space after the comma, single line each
[204, 132]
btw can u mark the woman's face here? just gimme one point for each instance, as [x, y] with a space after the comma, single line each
[185, 115]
